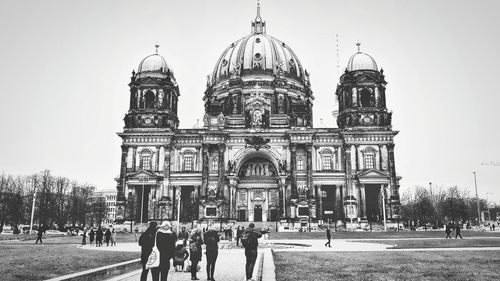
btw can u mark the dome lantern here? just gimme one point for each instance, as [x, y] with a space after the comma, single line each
[258, 26]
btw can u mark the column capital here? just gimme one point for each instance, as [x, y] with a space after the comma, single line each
[221, 147]
[309, 146]
[293, 147]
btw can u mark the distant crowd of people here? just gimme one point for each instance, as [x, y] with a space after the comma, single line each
[179, 247]
[98, 235]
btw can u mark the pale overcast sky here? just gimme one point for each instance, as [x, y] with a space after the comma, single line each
[65, 66]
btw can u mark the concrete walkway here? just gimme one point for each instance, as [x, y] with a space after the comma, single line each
[230, 266]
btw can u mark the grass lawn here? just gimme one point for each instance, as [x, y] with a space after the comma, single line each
[439, 243]
[376, 235]
[470, 265]
[23, 260]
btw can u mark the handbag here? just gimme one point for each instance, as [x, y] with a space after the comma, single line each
[154, 257]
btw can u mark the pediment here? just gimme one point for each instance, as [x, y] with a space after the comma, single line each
[372, 173]
[142, 174]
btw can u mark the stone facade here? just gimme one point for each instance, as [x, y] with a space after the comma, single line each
[257, 157]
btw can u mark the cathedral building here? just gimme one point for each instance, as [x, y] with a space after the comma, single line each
[257, 156]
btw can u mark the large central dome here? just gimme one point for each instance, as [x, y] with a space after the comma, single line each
[258, 52]
[258, 82]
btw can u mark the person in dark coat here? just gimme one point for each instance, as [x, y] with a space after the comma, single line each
[165, 241]
[238, 235]
[39, 235]
[195, 242]
[181, 255]
[84, 237]
[250, 235]
[447, 230]
[328, 237]
[146, 241]
[91, 236]
[457, 232]
[211, 240]
[107, 234]
[98, 237]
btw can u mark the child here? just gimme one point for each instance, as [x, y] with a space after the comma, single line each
[181, 254]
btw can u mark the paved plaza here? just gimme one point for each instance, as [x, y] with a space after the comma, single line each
[231, 260]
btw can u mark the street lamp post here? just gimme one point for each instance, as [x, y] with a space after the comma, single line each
[477, 201]
[33, 211]
[383, 208]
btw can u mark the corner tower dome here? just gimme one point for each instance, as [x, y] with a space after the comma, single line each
[154, 66]
[361, 61]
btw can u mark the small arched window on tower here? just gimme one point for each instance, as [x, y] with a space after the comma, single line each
[367, 98]
[145, 163]
[291, 67]
[188, 160]
[149, 100]
[300, 163]
[369, 158]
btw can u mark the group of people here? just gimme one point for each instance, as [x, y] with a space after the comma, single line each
[109, 236]
[175, 246]
[448, 228]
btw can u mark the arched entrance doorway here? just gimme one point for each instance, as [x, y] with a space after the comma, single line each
[257, 190]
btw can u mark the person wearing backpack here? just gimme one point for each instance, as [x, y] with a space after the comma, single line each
[211, 240]
[195, 243]
[250, 242]
[146, 241]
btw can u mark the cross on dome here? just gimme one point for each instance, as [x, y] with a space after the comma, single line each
[157, 46]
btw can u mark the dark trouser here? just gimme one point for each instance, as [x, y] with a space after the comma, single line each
[211, 259]
[163, 269]
[328, 243]
[448, 235]
[39, 238]
[251, 255]
[84, 240]
[144, 273]
[458, 234]
[194, 268]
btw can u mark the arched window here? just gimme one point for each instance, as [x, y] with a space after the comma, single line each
[369, 158]
[149, 99]
[188, 160]
[366, 98]
[145, 163]
[300, 163]
[326, 159]
[215, 163]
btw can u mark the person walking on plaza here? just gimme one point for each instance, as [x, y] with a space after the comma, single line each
[165, 241]
[195, 242]
[84, 236]
[39, 235]
[146, 241]
[457, 232]
[328, 237]
[238, 235]
[447, 230]
[91, 236]
[211, 240]
[113, 237]
[107, 234]
[250, 242]
[98, 237]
